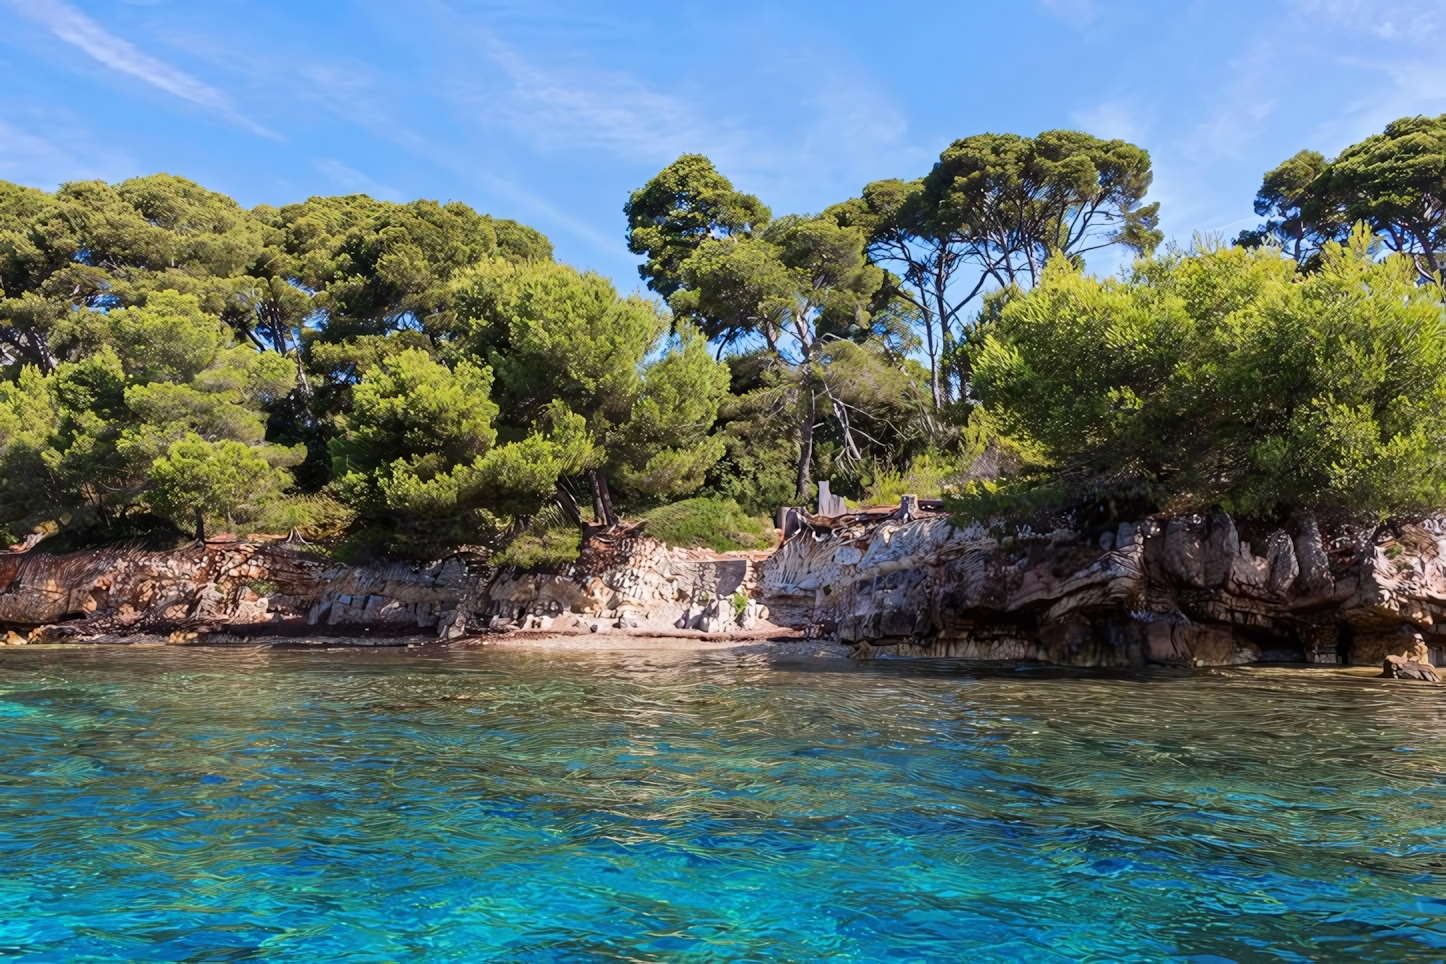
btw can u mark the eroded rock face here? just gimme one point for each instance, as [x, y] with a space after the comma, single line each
[1188, 589]
[630, 582]
[1192, 589]
[220, 585]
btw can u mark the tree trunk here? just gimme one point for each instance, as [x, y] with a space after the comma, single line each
[602, 503]
[952, 360]
[568, 505]
[805, 453]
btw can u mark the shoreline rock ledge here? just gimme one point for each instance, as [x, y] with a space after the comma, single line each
[1189, 589]
[1192, 589]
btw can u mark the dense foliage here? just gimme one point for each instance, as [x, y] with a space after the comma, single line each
[1227, 377]
[1393, 182]
[399, 378]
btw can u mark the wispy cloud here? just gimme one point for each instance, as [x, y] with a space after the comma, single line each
[1113, 118]
[54, 153]
[350, 179]
[20, 148]
[75, 28]
[1240, 108]
[1396, 55]
[610, 111]
[1077, 12]
[1408, 22]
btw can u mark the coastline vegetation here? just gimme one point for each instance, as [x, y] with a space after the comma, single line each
[395, 379]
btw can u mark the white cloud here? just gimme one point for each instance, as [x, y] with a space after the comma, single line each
[77, 29]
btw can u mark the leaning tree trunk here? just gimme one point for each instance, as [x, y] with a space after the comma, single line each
[568, 505]
[805, 453]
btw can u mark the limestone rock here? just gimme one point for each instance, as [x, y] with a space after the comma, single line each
[1403, 667]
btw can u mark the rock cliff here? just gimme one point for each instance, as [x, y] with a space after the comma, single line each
[623, 582]
[1192, 589]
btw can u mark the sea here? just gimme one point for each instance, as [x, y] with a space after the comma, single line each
[663, 804]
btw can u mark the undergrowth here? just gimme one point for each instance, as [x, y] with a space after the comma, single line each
[711, 522]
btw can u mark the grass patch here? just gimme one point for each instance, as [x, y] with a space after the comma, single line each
[711, 522]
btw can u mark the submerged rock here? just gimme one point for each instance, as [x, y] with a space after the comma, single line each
[1401, 667]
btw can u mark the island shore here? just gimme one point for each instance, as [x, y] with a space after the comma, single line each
[1191, 589]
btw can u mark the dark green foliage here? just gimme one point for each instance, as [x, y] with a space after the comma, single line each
[1296, 222]
[992, 212]
[1394, 182]
[687, 203]
[545, 545]
[395, 379]
[138, 529]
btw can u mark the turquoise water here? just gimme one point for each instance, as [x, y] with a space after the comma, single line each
[199, 805]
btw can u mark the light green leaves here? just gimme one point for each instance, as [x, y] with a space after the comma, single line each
[228, 479]
[1228, 378]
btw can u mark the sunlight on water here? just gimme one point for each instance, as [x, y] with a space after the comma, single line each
[165, 804]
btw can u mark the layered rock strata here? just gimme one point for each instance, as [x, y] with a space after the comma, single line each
[1193, 589]
[233, 585]
[1190, 589]
[619, 583]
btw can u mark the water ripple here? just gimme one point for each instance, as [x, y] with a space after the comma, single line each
[269, 805]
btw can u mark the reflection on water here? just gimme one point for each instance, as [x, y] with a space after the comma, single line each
[262, 805]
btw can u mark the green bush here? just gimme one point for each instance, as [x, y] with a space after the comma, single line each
[711, 522]
[927, 475]
[540, 548]
[1224, 378]
[548, 541]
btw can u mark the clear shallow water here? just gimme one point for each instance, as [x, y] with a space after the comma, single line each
[165, 804]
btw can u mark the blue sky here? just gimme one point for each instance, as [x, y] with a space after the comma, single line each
[551, 111]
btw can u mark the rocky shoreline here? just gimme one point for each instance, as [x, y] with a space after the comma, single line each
[1189, 590]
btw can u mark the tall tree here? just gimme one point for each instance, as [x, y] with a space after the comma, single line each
[559, 337]
[1393, 182]
[686, 204]
[196, 478]
[1293, 214]
[991, 213]
[800, 283]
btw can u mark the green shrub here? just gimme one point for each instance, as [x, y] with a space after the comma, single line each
[540, 548]
[547, 542]
[711, 522]
[926, 476]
